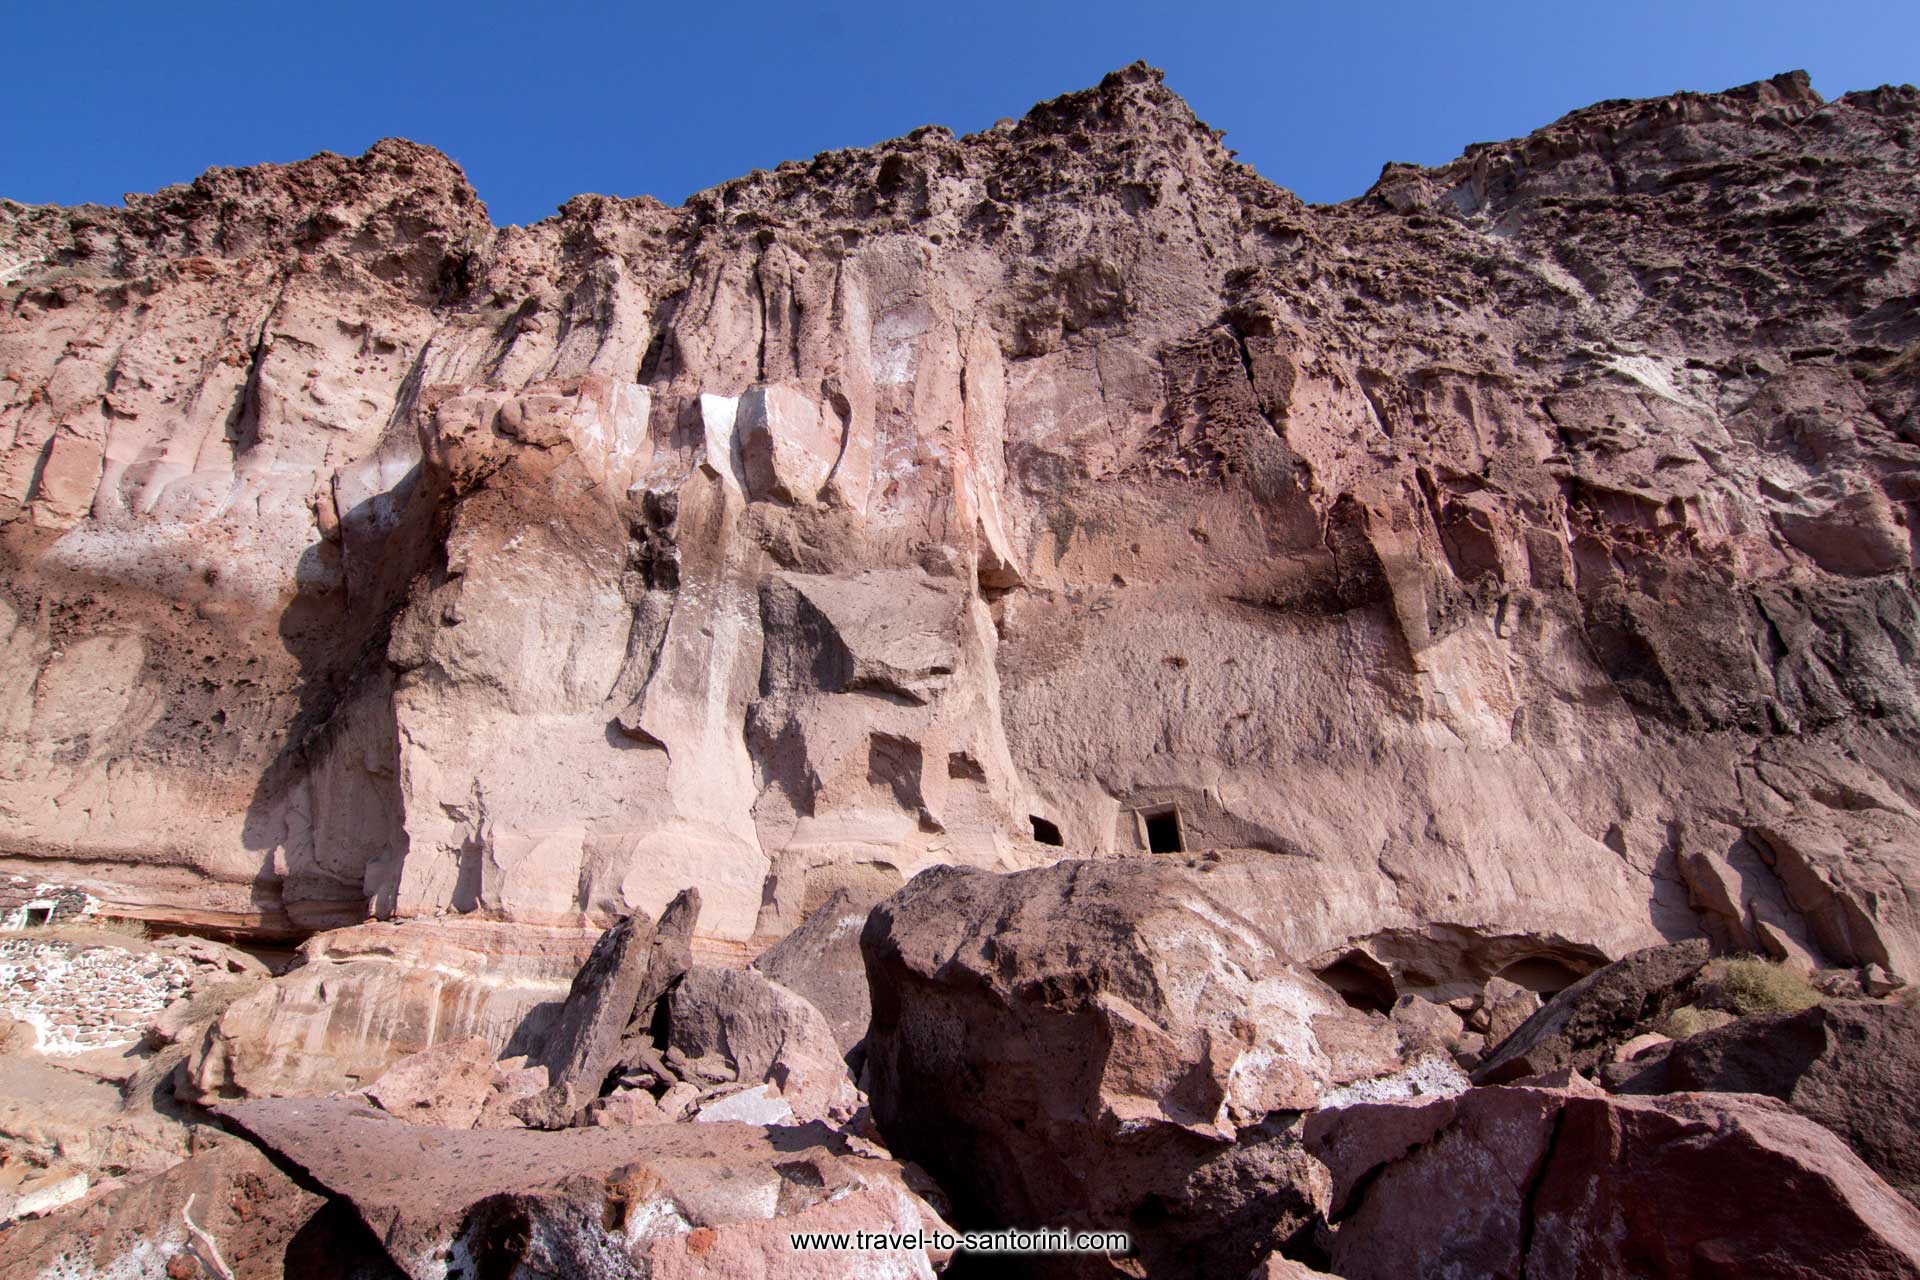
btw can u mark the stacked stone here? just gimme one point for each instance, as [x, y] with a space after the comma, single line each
[79, 998]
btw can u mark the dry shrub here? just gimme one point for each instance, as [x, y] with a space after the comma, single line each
[1691, 1020]
[1746, 985]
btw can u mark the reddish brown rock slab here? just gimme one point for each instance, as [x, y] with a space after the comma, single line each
[1851, 1065]
[1580, 1027]
[1480, 1147]
[682, 1199]
[1557, 1186]
[252, 1213]
[585, 1042]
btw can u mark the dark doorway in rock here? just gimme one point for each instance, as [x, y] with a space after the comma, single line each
[1043, 831]
[1362, 982]
[37, 916]
[1163, 830]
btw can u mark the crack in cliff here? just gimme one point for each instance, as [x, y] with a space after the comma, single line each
[1531, 1194]
[1253, 382]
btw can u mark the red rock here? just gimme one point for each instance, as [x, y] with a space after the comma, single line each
[600, 1201]
[1105, 1045]
[1580, 1027]
[263, 1225]
[1538, 1182]
[1848, 1064]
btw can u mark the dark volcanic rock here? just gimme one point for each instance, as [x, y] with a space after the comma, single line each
[1579, 1027]
[608, 1018]
[1852, 1065]
[585, 1043]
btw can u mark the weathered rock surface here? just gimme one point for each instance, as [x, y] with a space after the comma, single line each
[663, 1200]
[607, 1023]
[1852, 1065]
[1581, 1027]
[1554, 1183]
[821, 961]
[261, 1225]
[1102, 1044]
[1524, 549]
[363, 998]
[1498, 574]
[446, 1086]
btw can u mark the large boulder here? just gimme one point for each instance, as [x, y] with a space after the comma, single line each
[1559, 1184]
[631, 967]
[1580, 1027]
[664, 1200]
[1104, 1045]
[736, 1026]
[607, 1022]
[1852, 1065]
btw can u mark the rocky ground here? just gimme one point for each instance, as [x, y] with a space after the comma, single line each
[1028, 680]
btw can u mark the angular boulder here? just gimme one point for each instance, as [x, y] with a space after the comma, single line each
[661, 1200]
[1555, 1184]
[787, 445]
[1851, 1065]
[607, 1019]
[1103, 1045]
[729, 1026]
[585, 1041]
[820, 960]
[1581, 1026]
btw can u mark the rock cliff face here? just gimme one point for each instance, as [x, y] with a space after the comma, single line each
[1507, 569]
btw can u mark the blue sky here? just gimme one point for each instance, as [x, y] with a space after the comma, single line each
[542, 101]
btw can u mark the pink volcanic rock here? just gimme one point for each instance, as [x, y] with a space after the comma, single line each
[1503, 571]
[1209, 437]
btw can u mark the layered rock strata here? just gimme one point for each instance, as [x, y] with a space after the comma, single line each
[1520, 554]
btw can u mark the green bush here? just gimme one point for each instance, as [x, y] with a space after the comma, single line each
[1746, 985]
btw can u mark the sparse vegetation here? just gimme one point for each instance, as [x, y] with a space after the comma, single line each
[1746, 985]
[1691, 1020]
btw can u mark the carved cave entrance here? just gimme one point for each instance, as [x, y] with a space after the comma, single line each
[1160, 829]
